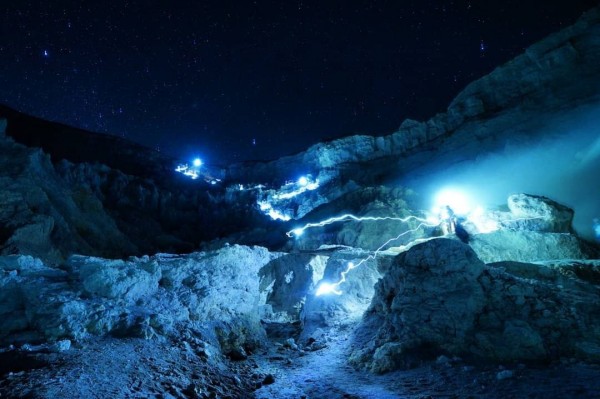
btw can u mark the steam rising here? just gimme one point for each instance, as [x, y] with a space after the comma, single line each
[564, 166]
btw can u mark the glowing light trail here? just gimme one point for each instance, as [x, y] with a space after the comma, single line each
[298, 231]
[328, 288]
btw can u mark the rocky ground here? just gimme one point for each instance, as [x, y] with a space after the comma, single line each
[138, 368]
[505, 305]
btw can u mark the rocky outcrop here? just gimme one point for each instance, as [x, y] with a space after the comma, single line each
[150, 297]
[52, 210]
[41, 216]
[285, 283]
[537, 213]
[327, 311]
[563, 68]
[529, 246]
[439, 298]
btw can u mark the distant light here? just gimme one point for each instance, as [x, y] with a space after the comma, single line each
[456, 199]
[197, 162]
[303, 181]
[326, 288]
[298, 232]
[277, 215]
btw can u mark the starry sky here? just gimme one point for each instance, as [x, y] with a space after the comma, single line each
[240, 80]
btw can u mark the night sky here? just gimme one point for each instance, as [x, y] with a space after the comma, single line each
[233, 81]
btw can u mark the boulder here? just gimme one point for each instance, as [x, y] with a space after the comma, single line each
[537, 213]
[440, 298]
[527, 246]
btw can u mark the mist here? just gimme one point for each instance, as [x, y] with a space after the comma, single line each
[564, 166]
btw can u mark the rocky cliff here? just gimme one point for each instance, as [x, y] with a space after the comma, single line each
[368, 272]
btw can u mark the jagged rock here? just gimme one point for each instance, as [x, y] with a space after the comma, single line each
[537, 213]
[40, 216]
[285, 283]
[527, 246]
[150, 297]
[438, 297]
[358, 288]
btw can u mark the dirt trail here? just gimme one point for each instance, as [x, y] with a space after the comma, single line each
[325, 373]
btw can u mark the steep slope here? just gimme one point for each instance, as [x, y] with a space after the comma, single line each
[529, 126]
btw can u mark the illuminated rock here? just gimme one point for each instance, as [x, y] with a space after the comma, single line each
[529, 246]
[285, 284]
[439, 298]
[149, 297]
[356, 292]
[539, 214]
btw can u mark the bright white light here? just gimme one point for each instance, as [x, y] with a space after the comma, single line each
[268, 209]
[456, 199]
[303, 181]
[310, 186]
[264, 206]
[482, 223]
[326, 288]
[297, 232]
[197, 162]
[277, 215]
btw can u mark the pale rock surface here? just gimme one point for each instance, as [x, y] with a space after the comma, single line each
[527, 246]
[150, 297]
[285, 283]
[539, 214]
[439, 298]
[357, 291]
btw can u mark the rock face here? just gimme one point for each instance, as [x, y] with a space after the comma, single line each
[357, 291]
[286, 282]
[151, 297]
[562, 68]
[540, 213]
[51, 210]
[439, 298]
[40, 216]
[528, 246]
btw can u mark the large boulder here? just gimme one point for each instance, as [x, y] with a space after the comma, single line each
[527, 246]
[537, 213]
[440, 298]
[429, 297]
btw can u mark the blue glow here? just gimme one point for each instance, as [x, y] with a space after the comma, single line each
[197, 162]
[456, 199]
[327, 288]
[303, 181]
[299, 230]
